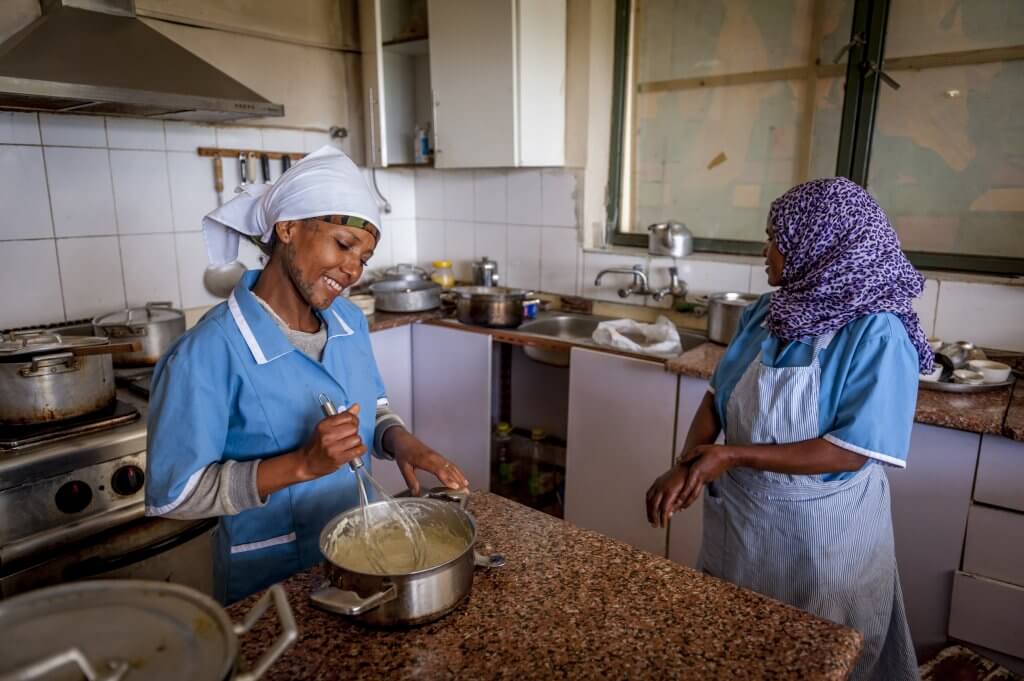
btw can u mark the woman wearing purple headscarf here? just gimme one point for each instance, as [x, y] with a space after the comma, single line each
[815, 395]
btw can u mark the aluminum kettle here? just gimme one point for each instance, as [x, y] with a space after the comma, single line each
[669, 238]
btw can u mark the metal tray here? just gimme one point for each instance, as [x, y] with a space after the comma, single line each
[942, 386]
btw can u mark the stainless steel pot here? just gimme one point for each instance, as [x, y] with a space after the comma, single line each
[109, 630]
[404, 272]
[724, 310]
[155, 326]
[404, 599]
[406, 295]
[490, 305]
[42, 380]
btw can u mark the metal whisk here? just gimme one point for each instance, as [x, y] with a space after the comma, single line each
[393, 511]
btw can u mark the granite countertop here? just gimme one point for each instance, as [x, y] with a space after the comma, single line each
[569, 603]
[976, 412]
[379, 321]
[1014, 425]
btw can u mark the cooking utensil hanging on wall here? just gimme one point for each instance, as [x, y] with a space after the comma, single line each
[286, 163]
[243, 170]
[265, 168]
[251, 167]
[218, 179]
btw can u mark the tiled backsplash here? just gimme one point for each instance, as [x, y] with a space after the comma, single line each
[106, 212]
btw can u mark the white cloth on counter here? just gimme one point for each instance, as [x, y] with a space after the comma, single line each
[325, 182]
[660, 338]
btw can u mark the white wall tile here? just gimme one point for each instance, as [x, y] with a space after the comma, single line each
[232, 180]
[558, 260]
[429, 194]
[593, 263]
[401, 192]
[492, 241]
[459, 247]
[142, 195]
[401, 232]
[182, 136]
[383, 254]
[524, 257]
[759, 280]
[73, 131]
[986, 314]
[705, 276]
[135, 133]
[239, 137]
[283, 139]
[192, 192]
[80, 191]
[524, 197]
[458, 194]
[190, 249]
[925, 305]
[430, 242]
[150, 269]
[90, 276]
[312, 140]
[29, 284]
[558, 198]
[23, 194]
[19, 128]
[490, 196]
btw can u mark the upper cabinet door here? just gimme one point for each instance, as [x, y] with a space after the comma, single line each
[541, 63]
[373, 82]
[472, 73]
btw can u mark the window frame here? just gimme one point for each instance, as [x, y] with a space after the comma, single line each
[853, 158]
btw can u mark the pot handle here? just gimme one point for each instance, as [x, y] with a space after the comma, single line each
[289, 632]
[458, 496]
[43, 668]
[342, 602]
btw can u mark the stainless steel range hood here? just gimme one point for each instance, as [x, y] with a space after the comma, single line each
[95, 56]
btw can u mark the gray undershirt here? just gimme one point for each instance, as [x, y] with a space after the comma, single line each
[229, 487]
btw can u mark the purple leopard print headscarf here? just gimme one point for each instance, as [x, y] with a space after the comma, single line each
[842, 261]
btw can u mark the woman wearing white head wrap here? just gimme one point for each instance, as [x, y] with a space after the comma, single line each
[235, 427]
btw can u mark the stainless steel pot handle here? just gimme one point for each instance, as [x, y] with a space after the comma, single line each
[458, 496]
[289, 632]
[342, 602]
[44, 667]
[57, 363]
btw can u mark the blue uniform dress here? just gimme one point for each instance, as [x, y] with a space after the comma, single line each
[822, 543]
[234, 387]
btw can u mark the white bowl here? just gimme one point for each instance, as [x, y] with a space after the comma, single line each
[993, 372]
[364, 303]
[968, 376]
[933, 376]
[935, 344]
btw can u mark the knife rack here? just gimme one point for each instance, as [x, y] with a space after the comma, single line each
[234, 153]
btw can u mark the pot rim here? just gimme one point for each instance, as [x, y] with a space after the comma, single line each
[333, 523]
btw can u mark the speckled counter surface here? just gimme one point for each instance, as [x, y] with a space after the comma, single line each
[379, 321]
[1014, 426]
[975, 413]
[568, 604]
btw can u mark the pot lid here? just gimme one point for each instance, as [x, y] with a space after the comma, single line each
[31, 343]
[160, 630]
[140, 316]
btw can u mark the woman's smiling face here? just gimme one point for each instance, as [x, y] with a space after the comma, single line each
[773, 258]
[322, 258]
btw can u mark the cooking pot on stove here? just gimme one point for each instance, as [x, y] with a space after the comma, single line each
[47, 377]
[412, 598]
[154, 325]
[130, 630]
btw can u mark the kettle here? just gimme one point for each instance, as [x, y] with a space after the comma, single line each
[485, 272]
[669, 238]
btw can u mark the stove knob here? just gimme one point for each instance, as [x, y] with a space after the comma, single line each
[127, 480]
[73, 496]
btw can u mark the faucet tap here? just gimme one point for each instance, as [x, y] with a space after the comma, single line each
[638, 286]
[675, 288]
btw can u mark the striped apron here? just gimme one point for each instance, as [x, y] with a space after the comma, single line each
[824, 547]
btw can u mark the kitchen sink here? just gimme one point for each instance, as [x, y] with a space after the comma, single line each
[579, 330]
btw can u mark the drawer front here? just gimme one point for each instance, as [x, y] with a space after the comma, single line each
[1000, 479]
[995, 544]
[987, 613]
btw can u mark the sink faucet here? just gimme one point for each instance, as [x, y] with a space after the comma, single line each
[640, 285]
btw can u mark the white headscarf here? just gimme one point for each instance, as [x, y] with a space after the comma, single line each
[326, 182]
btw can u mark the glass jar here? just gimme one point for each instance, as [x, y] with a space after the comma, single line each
[443, 275]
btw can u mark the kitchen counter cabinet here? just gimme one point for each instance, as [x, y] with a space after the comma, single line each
[686, 527]
[620, 438]
[392, 348]
[569, 603]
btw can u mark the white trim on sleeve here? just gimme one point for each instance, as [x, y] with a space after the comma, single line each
[266, 543]
[884, 458]
[190, 486]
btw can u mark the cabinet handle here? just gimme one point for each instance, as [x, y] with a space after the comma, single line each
[437, 122]
[373, 130]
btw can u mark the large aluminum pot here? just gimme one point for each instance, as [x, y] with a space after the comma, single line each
[404, 272]
[411, 598]
[42, 380]
[155, 326]
[131, 630]
[490, 305]
[406, 295]
[724, 311]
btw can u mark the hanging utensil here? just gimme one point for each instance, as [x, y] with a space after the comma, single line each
[251, 167]
[286, 163]
[218, 179]
[265, 168]
[243, 172]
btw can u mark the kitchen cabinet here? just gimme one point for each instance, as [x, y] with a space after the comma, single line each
[1000, 473]
[622, 414]
[392, 348]
[686, 526]
[451, 389]
[930, 502]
